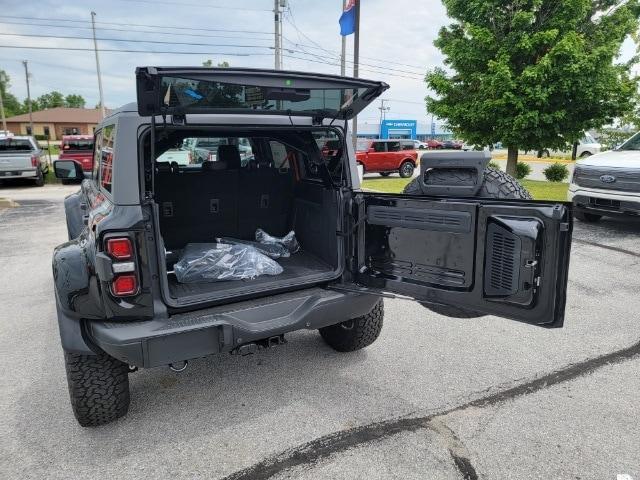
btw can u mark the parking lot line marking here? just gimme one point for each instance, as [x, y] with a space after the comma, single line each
[608, 247]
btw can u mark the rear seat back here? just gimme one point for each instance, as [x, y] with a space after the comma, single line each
[197, 205]
[222, 199]
[265, 201]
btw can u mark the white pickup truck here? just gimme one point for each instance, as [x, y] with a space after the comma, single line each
[21, 157]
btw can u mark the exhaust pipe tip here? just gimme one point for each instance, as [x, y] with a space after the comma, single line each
[179, 369]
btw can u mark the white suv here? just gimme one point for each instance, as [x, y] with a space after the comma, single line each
[607, 183]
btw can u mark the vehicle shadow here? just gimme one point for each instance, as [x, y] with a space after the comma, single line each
[219, 399]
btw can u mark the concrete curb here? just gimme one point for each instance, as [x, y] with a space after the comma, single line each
[7, 203]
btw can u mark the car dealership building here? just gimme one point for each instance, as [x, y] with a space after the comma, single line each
[403, 129]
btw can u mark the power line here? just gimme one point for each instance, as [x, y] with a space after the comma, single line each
[159, 32]
[73, 37]
[369, 65]
[181, 27]
[289, 19]
[118, 50]
[372, 68]
[199, 5]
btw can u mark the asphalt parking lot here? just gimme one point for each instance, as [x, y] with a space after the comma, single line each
[433, 398]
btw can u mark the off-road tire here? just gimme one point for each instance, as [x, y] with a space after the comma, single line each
[98, 387]
[406, 169]
[357, 333]
[587, 217]
[39, 178]
[496, 184]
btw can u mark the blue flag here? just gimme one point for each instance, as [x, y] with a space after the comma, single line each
[348, 19]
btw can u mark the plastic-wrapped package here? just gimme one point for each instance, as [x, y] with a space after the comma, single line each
[212, 262]
[273, 250]
[289, 241]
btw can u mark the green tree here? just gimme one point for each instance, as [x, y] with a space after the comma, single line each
[209, 63]
[74, 101]
[49, 100]
[533, 73]
[12, 105]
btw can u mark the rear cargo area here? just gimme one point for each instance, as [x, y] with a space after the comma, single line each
[233, 195]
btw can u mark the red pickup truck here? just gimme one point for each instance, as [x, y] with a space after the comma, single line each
[388, 156]
[78, 148]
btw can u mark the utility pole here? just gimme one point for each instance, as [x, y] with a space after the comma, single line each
[277, 17]
[356, 59]
[343, 54]
[383, 114]
[95, 49]
[4, 120]
[26, 74]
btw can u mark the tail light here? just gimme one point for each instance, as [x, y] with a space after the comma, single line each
[123, 285]
[125, 280]
[120, 248]
[190, 157]
[34, 160]
[210, 157]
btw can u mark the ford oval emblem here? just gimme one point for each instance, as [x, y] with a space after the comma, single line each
[607, 179]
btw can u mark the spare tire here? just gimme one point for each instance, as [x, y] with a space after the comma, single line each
[496, 184]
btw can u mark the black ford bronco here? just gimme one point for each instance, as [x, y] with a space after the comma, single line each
[463, 239]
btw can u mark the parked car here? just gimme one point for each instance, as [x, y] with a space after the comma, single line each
[389, 156]
[452, 145]
[420, 145]
[587, 146]
[78, 148]
[22, 157]
[123, 301]
[434, 144]
[607, 183]
[180, 156]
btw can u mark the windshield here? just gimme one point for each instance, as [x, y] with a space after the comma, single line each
[588, 138]
[632, 144]
[77, 145]
[15, 145]
[207, 94]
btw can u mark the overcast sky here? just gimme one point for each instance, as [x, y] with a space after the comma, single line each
[396, 43]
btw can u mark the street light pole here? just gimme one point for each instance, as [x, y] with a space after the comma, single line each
[95, 48]
[26, 74]
[4, 120]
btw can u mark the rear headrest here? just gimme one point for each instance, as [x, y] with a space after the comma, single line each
[209, 166]
[230, 155]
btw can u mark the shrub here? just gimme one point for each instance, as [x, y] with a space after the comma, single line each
[522, 170]
[493, 165]
[556, 172]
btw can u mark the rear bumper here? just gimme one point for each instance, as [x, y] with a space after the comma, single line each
[602, 202]
[221, 329]
[23, 173]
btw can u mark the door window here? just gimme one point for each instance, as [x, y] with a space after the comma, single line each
[379, 146]
[393, 146]
[96, 156]
[106, 156]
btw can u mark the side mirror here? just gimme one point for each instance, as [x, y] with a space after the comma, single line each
[68, 170]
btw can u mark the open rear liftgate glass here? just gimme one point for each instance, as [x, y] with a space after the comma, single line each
[508, 258]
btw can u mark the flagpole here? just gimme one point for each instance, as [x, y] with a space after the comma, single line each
[343, 55]
[356, 57]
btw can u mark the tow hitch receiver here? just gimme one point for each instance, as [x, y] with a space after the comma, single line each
[251, 348]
